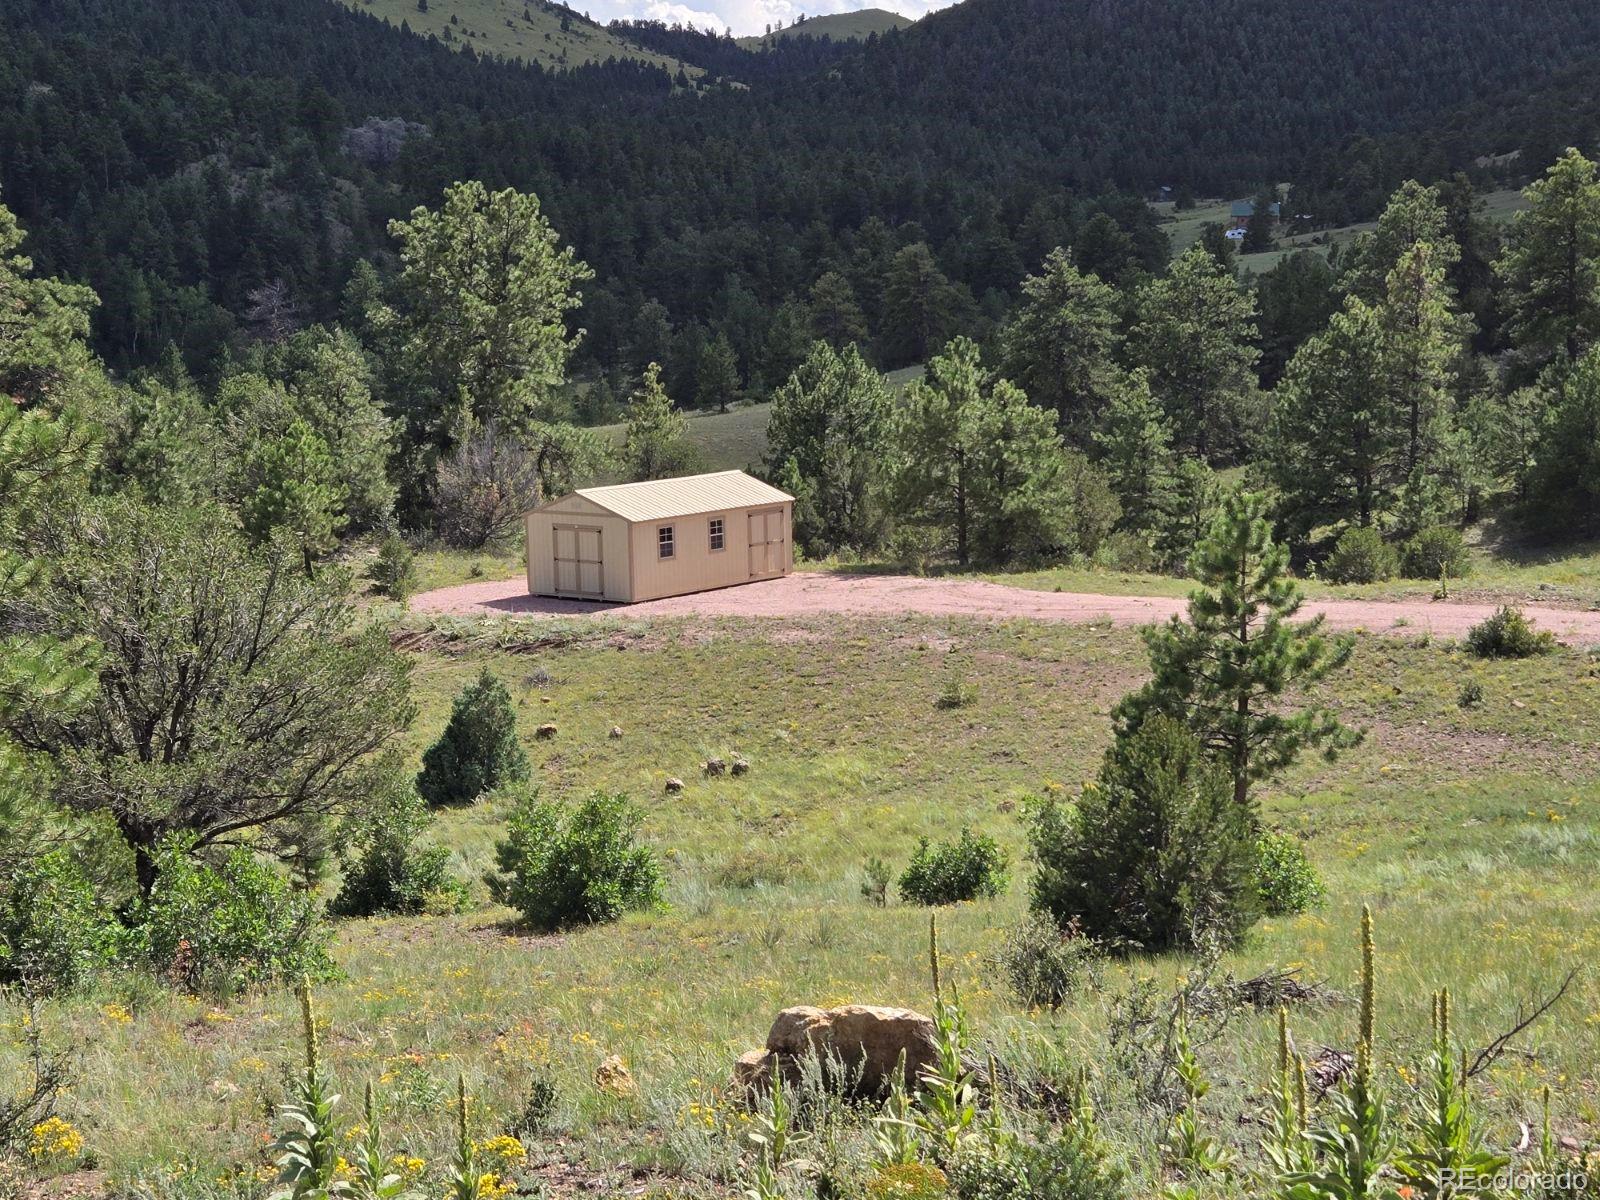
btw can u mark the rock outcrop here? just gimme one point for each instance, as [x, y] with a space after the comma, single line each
[868, 1041]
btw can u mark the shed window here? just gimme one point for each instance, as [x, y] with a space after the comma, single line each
[717, 538]
[664, 543]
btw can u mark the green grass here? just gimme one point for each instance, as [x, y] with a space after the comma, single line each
[737, 439]
[1184, 228]
[1471, 832]
[526, 30]
[1503, 572]
[850, 26]
[734, 440]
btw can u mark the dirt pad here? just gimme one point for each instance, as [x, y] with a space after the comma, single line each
[809, 593]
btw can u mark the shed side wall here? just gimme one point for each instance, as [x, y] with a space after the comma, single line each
[694, 566]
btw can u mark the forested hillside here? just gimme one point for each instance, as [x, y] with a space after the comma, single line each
[206, 164]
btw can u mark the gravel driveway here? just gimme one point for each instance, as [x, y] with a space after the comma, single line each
[808, 593]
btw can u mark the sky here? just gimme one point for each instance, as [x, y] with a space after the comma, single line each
[744, 16]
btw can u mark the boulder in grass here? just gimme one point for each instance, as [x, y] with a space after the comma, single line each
[613, 1077]
[867, 1040]
[616, 732]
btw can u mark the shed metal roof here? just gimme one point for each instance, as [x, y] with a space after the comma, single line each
[662, 499]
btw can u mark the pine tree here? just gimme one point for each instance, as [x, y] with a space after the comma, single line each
[1414, 214]
[481, 303]
[1551, 265]
[717, 380]
[1336, 443]
[836, 316]
[478, 750]
[1185, 513]
[922, 308]
[1135, 448]
[1420, 337]
[1258, 234]
[1225, 670]
[1061, 344]
[973, 457]
[827, 435]
[292, 485]
[1196, 335]
[655, 443]
[1564, 484]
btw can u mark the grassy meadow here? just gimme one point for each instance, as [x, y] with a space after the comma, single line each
[1184, 228]
[526, 30]
[1471, 832]
[845, 26]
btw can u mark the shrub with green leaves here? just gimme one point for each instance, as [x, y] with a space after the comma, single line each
[478, 750]
[1436, 551]
[217, 927]
[1045, 964]
[394, 569]
[1361, 556]
[1156, 854]
[974, 866]
[54, 932]
[1508, 634]
[561, 866]
[1286, 881]
[387, 870]
[1069, 1163]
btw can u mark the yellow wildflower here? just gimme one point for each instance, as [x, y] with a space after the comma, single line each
[54, 1140]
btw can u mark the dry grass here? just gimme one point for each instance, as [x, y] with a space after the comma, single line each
[1472, 832]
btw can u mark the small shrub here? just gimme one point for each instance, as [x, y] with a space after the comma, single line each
[1045, 964]
[1508, 634]
[478, 750]
[54, 932]
[755, 867]
[217, 928]
[1070, 1163]
[1471, 694]
[1156, 854]
[387, 871]
[562, 866]
[539, 1105]
[1360, 556]
[956, 693]
[394, 571]
[966, 869]
[1437, 552]
[1126, 550]
[908, 1181]
[875, 879]
[1286, 881]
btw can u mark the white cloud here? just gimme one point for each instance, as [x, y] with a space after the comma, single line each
[743, 16]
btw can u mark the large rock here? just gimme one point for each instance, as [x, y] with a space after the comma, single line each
[866, 1039]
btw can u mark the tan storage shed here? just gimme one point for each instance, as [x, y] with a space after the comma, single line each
[665, 537]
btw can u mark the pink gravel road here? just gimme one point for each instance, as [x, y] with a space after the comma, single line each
[809, 593]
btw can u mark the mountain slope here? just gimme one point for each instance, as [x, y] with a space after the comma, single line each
[178, 155]
[532, 31]
[1213, 93]
[841, 27]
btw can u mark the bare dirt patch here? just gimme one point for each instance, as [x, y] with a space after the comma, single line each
[808, 594]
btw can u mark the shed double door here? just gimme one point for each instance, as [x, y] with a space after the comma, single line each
[580, 569]
[769, 543]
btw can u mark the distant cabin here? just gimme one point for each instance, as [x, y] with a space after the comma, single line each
[665, 537]
[1242, 210]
